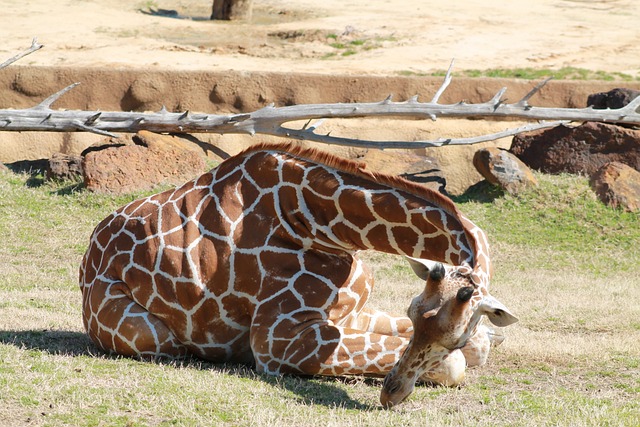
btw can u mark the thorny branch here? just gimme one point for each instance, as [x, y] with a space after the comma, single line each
[271, 120]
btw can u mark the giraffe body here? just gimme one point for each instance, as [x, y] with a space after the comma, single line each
[256, 262]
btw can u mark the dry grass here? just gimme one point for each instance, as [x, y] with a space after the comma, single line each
[566, 266]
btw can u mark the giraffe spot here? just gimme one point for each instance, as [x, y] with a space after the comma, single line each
[174, 263]
[237, 308]
[389, 208]
[247, 273]
[347, 234]
[387, 360]
[322, 181]
[405, 237]
[292, 175]
[322, 216]
[260, 168]
[204, 180]
[380, 239]
[312, 291]
[354, 206]
[145, 254]
[170, 217]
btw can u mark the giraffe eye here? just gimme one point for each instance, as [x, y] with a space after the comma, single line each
[464, 294]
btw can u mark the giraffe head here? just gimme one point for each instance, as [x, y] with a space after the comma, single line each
[444, 317]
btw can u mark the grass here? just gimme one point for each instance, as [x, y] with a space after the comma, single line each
[528, 73]
[565, 264]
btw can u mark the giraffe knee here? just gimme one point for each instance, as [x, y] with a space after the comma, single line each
[476, 351]
[121, 326]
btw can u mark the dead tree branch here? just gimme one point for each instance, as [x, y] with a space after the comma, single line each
[34, 46]
[271, 120]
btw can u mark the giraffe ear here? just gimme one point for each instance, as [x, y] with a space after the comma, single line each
[497, 313]
[421, 266]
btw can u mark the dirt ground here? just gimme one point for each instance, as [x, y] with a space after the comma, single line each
[151, 47]
[392, 35]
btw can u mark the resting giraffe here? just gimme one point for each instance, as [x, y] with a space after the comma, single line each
[256, 262]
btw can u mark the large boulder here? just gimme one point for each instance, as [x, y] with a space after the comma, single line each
[151, 161]
[615, 98]
[62, 167]
[581, 149]
[503, 169]
[618, 186]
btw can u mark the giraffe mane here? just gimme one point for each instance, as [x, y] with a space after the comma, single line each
[359, 169]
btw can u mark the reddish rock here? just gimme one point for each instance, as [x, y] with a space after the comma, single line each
[618, 186]
[581, 149]
[64, 167]
[615, 98]
[407, 164]
[502, 168]
[157, 160]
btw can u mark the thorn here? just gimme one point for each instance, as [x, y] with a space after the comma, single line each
[433, 117]
[92, 119]
[47, 118]
[137, 121]
[78, 125]
[387, 100]
[184, 115]
[414, 99]
[163, 110]
[536, 89]
[304, 127]
[46, 104]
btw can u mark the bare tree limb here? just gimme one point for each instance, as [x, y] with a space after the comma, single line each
[271, 120]
[34, 46]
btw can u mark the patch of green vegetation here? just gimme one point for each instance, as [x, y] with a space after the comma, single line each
[529, 73]
[346, 46]
[562, 215]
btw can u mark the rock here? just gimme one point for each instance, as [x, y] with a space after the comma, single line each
[618, 186]
[409, 165]
[581, 149]
[125, 168]
[64, 167]
[615, 98]
[502, 168]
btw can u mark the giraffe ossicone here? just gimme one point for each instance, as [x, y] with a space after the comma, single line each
[257, 262]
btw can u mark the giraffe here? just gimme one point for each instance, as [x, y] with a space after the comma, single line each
[256, 262]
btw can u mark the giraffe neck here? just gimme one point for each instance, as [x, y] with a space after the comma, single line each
[329, 202]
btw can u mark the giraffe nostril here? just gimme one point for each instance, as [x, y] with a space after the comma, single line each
[464, 294]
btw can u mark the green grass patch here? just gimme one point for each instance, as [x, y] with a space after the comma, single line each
[566, 264]
[529, 73]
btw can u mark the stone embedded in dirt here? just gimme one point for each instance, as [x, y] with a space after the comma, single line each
[581, 149]
[155, 160]
[618, 186]
[407, 164]
[502, 168]
[615, 98]
[63, 167]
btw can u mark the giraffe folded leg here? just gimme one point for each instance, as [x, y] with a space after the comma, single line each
[380, 322]
[118, 325]
[326, 349]
[477, 349]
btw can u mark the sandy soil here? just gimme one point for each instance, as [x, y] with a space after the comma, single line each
[371, 37]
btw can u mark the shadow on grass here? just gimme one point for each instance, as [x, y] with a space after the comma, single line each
[65, 343]
[482, 192]
[325, 391]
